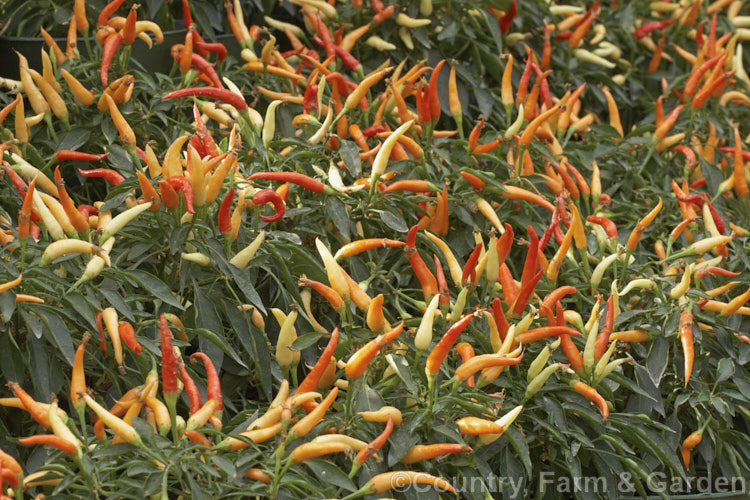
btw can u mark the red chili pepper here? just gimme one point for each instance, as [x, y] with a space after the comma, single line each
[424, 275]
[510, 289]
[310, 99]
[603, 338]
[16, 179]
[500, 320]
[301, 180]
[445, 344]
[564, 35]
[213, 385]
[650, 26]
[504, 243]
[695, 199]
[186, 13]
[606, 223]
[351, 62]
[225, 213]
[107, 11]
[324, 34]
[720, 225]
[127, 335]
[168, 361]
[182, 184]
[505, 21]
[532, 261]
[310, 382]
[523, 84]
[471, 265]
[526, 290]
[445, 297]
[102, 339]
[730, 150]
[205, 67]
[111, 43]
[374, 445]
[191, 389]
[221, 94]
[546, 51]
[67, 154]
[423, 105]
[703, 271]
[554, 297]
[383, 15]
[270, 196]
[168, 195]
[707, 90]
[108, 174]
[377, 128]
[204, 48]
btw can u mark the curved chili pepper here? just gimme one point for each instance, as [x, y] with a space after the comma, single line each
[359, 361]
[592, 395]
[606, 223]
[213, 385]
[432, 91]
[225, 213]
[650, 26]
[194, 397]
[111, 44]
[373, 446]
[373, 130]
[270, 196]
[50, 440]
[301, 180]
[36, 410]
[78, 221]
[426, 279]
[466, 352]
[182, 184]
[203, 47]
[221, 94]
[67, 154]
[476, 183]
[706, 270]
[205, 67]
[107, 11]
[112, 176]
[127, 335]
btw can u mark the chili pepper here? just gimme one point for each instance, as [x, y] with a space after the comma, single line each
[331, 295]
[473, 426]
[688, 444]
[606, 223]
[191, 389]
[400, 479]
[583, 27]
[471, 264]
[602, 340]
[183, 184]
[525, 293]
[34, 408]
[168, 361]
[641, 226]
[10, 463]
[168, 195]
[735, 304]
[305, 424]
[483, 362]
[702, 246]
[107, 11]
[111, 44]
[738, 172]
[224, 222]
[424, 275]
[708, 89]
[310, 382]
[221, 94]
[466, 352]
[425, 452]
[213, 388]
[544, 332]
[203, 66]
[264, 196]
[78, 377]
[505, 21]
[358, 246]
[649, 27]
[51, 440]
[382, 415]
[127, 334]
[7, 109]
[204, 48]
[372, 447]
[444, 345]
[244, 256]
[200, 417]
[292, 177]
[686, 339]
[375, 319]
[592, 395]
[359, 361]
[80, 224]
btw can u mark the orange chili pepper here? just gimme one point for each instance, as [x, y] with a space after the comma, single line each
[305, 425]
[359, 361]
[37, 411]
[686, 339]
[444, 345]
[78, 377]
[50, 440]
[592, 395]
[427, 451]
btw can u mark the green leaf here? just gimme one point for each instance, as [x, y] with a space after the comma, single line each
[58, 332]
[339, 216]
[401, 367]
[393, 220]
[327, 473]
[350, 155]
[157, 288]
[254, 343]
[725, 370]
[74, 139]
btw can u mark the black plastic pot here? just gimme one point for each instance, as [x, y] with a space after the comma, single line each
[156, 59]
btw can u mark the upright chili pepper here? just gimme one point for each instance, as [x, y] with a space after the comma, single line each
[78, 376]
[426, 279]
[224, 222]
[310, 382]
[505, 21]
[602, 340]
[111, 44]
[191, 389]
[445, 344]
[213, 385]
[80, 224]
[471, 264]
[168, 361]
[686, 339]
[738, 171]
